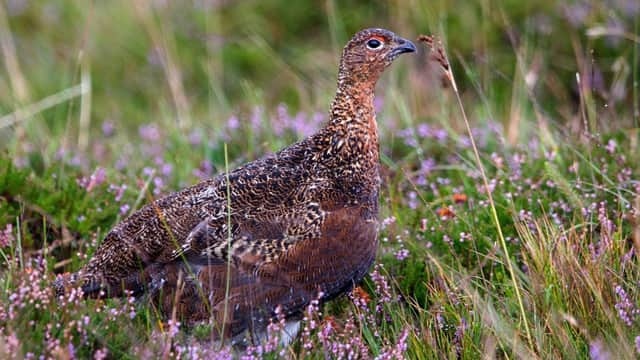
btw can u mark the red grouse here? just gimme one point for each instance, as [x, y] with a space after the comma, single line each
[287, 228]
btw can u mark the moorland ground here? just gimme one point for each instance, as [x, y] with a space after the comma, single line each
[106, 106]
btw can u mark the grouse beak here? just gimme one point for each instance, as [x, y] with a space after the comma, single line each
[403, 46]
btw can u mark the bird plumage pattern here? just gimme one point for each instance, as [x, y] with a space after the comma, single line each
[277, 232]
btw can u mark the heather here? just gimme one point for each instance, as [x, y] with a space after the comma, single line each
[106, 106]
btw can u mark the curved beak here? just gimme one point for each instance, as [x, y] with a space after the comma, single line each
[402, 46]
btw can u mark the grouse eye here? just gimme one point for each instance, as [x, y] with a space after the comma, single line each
[374, 44]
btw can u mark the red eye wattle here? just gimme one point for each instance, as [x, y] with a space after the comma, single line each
[375, 42]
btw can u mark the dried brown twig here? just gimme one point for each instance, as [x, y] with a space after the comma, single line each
[438, 55]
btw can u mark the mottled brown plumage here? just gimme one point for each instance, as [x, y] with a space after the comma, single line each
[302, 221]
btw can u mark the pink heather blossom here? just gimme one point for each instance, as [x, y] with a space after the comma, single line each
[233, 123]
[174, 328]
[402, 254]
[611, 146]
[195, 138]
[597, 351]
[150, 132]
[6, 236]
[100, 354]
[124, 209]
[108, 128]
[97, 178]
[382, 286]
[627, 310]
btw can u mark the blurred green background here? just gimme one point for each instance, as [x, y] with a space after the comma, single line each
[194, 63]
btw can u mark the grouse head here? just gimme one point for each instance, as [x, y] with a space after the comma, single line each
[369, 52]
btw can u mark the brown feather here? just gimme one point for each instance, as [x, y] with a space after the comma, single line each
[301, 222]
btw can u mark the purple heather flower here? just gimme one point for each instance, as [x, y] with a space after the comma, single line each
[397, 351]
[233, 123]
[78, 160]
[614, 25]
[60, 153]
[423, 224]
[71, 351]
[149, 132]
[6, 236]
[122, 162]
[627, 7]
[378, 103]
[100, 354]
[427, 166]
[597, 351]
[310, 320]
[387, 221]
[302, 125]
[550, 155]
[440, 135]
[174, 328]
[424, 130]
[124, 209]
[517, 160]
[498, 161]
[464, 141]
[443, 181]
[382, 286]
[624, 176]
[405, 133]
[108, 128]
[627, 311]
[16, 8]
[459, 335]
[628, 256]
[611, 146]
[402, 254]
[607, 224]
[147, 171]
[256, 118]
[205, 170]
[118, 190]
[413, 200]
[573, 168]
[158, 185]
[282, 120]
[97, 178]
[166, 169]
[317, 118]
[195, 138]
[576, 13]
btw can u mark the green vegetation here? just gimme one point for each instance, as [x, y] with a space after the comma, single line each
[106, 105]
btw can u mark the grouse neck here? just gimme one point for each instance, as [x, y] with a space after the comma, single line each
[352, 111]
[350, 139]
